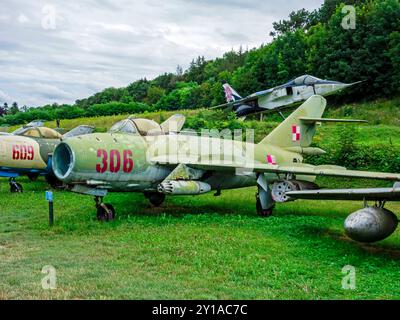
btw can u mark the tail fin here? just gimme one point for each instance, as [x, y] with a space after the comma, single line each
[173, 124]
[230, 94]
[293, 132]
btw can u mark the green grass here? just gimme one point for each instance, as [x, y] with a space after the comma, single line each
[197, 247]
[190, 248]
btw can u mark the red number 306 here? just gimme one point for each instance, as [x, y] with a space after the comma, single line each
[112, 161]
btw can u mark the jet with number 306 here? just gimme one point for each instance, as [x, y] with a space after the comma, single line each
[139, 155]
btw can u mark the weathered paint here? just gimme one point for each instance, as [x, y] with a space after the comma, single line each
[370, 224]
[14, 153]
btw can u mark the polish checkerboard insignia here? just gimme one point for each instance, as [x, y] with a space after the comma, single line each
[296, 133]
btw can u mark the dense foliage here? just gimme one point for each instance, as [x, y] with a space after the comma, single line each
[307, 43]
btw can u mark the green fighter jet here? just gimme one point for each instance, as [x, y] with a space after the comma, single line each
[139, 155]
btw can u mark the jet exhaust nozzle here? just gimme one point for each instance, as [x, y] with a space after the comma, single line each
[370, 224]
[183, 187]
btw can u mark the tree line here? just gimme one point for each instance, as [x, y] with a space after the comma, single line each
[306, 43]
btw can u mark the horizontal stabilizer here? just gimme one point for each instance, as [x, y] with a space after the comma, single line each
[314, 120]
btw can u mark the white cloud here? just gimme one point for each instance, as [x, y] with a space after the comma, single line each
[23, 18]
[4, 97]
[103, 43]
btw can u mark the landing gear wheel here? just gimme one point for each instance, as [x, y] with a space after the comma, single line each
[263, 212]
[156, 199]
[33, 177]
[15, 187]
[54, 182]
[105, 212]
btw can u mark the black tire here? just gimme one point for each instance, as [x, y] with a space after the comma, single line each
[265, 213]
[33, 177]
[54, 182]
[16, 188]
[156, 199]
[103, 215]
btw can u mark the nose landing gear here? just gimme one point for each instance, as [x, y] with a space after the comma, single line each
[105, 211]
[15, 187]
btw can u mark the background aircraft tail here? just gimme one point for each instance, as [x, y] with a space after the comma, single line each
[297, 130]
[230, 94]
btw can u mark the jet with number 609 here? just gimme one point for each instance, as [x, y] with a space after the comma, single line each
[28, 150]
[139, 155]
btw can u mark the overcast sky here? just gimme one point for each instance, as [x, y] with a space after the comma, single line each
[60, 51]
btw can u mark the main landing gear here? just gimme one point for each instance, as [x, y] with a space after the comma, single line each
[53, 181]
[105, 211]
[155, 198]
[264, 203]
[261, 211]
[15, 187]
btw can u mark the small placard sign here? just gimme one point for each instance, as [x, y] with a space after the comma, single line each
[49, 196]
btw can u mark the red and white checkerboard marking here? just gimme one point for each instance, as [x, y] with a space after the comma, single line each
[296, 133]
[271, 159]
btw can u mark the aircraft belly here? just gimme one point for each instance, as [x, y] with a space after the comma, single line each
[221, 181]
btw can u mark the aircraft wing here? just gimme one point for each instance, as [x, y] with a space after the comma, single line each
[250, 98]
[322, 120]
[373, 194]
[296, 169]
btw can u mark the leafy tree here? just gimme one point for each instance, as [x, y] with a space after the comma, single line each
[179, 71]
[300, 19]
[180, 98]
[394, 55]
[154, 94]
[138, 90]
[166, 81]
[14, 108]
[195, 73]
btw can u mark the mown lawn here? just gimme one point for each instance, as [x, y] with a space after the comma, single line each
[191, 248]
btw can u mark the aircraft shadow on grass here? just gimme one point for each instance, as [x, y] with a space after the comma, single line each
[379, 249]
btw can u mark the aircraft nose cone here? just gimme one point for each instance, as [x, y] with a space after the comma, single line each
[327, 88]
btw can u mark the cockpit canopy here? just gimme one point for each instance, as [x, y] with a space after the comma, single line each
[144, 127]
[38, 132]
[308, 80]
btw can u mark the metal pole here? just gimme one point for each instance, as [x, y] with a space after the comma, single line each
[49, 199]
[51, 213]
